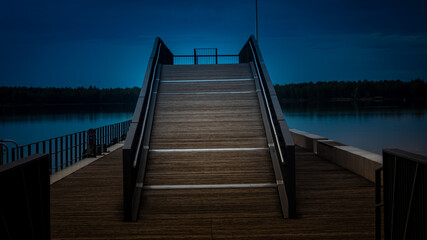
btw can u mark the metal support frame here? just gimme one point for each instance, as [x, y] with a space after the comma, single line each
[136, 146]
[404, 196]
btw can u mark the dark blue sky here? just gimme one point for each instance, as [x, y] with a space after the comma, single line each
[107, 43]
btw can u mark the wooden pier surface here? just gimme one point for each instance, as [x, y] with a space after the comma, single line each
[332, 203]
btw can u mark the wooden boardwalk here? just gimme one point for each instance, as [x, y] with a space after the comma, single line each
[332, 203]
[207, 131]
[209, 174]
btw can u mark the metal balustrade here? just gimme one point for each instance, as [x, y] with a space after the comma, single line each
[68, 149]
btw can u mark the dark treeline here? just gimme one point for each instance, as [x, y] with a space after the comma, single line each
[334, 91]
[80, 95]
[393, 90]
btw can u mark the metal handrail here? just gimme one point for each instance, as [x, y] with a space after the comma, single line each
[135, 147]
[282, 142]
[10, 141]
[135, 161]
[268, 107]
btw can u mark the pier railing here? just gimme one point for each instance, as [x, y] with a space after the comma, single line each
[283, 145]
[205, 56]
[68, 149]
[404, 195]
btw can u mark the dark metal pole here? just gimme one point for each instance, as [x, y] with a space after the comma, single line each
[256, 20]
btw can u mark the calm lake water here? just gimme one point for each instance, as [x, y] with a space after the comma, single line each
[31, 124]
[369, 128]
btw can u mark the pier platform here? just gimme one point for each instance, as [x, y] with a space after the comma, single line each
[332, 203]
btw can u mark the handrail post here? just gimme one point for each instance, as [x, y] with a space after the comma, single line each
[1, 152]
[378, 203]
[195, 57]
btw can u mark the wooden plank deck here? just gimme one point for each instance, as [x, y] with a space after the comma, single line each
[208, 131]
[234, 146]
[332, 203]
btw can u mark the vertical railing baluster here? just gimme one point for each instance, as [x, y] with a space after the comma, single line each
[85, 143]
[21, 150]
[98, 130]
[120, 131]
[80, 147]
[28, 149]
[62, 152]
[66, 150]
[114, 132]
[58, 164]
[101, 137]
[13, 157]
[71, 149]
[97, 141]
[108, 134]
[123, 130]
[50, 156]
[75, 148]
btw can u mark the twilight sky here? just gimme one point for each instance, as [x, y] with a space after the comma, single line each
[107, 43]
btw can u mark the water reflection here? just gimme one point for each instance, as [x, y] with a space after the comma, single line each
[27, 124]
[370, 127]
[61, 112]
[352, 110]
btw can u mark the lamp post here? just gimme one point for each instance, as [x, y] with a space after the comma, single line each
[256, 20]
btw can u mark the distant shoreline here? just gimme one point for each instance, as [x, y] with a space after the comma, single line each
[64, 104]
[394, 92]
[14, 96]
